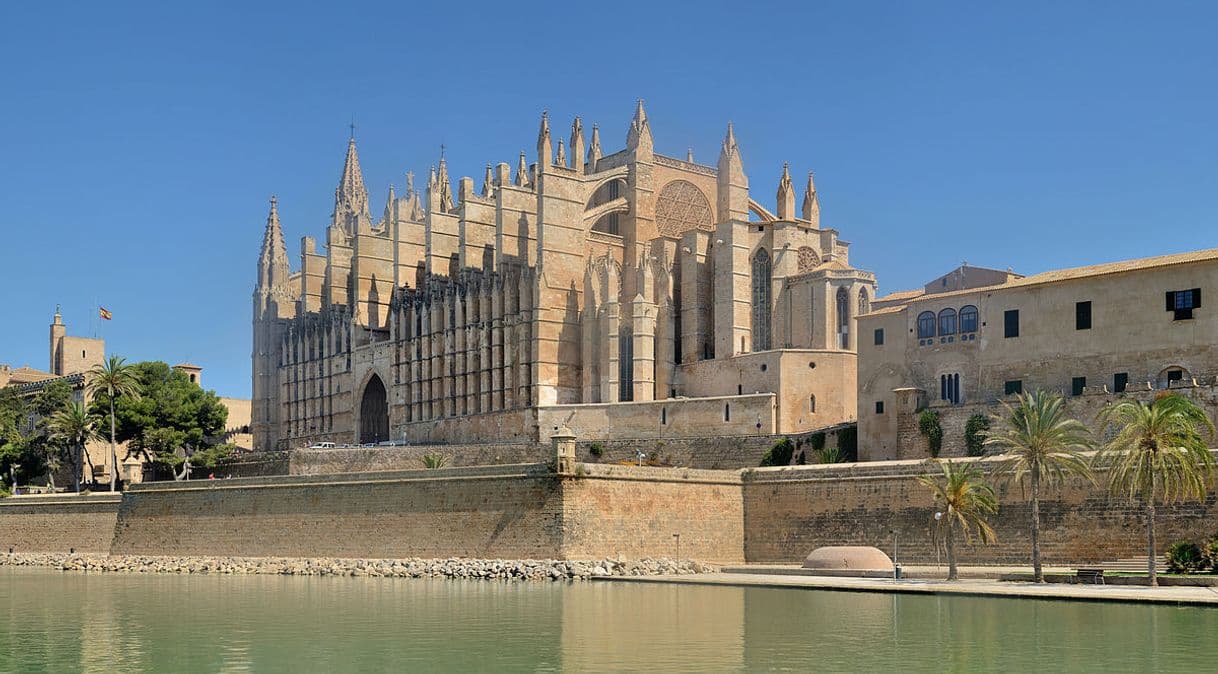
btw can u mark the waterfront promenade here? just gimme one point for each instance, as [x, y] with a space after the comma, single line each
[977, 587]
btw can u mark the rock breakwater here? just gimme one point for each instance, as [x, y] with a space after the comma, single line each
[456, 567]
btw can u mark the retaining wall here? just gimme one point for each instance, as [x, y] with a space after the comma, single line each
[58, 523]
[789, 512]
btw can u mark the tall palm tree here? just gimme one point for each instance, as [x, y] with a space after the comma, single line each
[74, 427]
[1043, 447]
[1158, 452]
[114, 379]
[968, 500]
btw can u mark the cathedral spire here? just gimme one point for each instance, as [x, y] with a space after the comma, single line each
[561, 159]
[733, 199]
[410, 184]
[639, 136]
[594, 149]
[811, 205]
[387, 217]
[786, 194]
[350, 197]
[522, 172]
[488, 182]
[273, 266]
[545, 152]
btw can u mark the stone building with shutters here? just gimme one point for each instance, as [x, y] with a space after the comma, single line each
[628, 294]
[975, 337]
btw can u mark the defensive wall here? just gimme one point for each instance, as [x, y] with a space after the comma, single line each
[581, 510]
[515, 512]
[58, 523]
[710, 453]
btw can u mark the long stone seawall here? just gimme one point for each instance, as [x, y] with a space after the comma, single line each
[58, 523]
[511, 512]
[789, 512]
[502, 511]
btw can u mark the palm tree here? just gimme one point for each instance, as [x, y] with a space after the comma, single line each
[1043, 447]
[433, 461]
[74, 427]
[114, 379]
[968, 499]
[1158, 452]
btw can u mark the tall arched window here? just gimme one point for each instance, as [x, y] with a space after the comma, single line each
[947, 322]
[761, 300]
[968, 319]
[864, 302]
[625, 366]
[843, 318]
[926, 325]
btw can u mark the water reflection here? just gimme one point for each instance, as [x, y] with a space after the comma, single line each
[130, 623]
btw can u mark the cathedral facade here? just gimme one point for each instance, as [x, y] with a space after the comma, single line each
[623, 295]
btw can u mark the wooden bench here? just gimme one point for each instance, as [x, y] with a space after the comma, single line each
[1096, 576]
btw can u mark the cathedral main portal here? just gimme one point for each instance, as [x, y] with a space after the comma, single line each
[374, 412]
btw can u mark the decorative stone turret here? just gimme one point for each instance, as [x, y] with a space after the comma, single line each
[638, 138]
[522, 171]
[786, 195]
[594, 149]
[577, 145]
[733, 198]
[545, 150]
[811, 206]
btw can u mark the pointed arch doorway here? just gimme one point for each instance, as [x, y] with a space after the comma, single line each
[374, 412]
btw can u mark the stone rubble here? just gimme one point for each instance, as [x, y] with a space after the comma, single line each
[453, 567]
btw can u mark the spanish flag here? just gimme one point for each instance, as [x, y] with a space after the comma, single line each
[104, 313]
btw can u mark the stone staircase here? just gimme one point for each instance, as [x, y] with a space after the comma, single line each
[1133, 565]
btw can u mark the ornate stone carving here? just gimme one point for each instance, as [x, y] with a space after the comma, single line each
[682, 207]
[808, 259]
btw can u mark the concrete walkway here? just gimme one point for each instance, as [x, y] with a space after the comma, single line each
[1197, 596]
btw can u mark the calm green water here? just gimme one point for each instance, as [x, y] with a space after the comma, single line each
[61, 622]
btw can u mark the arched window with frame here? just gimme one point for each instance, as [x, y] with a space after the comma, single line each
[947, 322]
[926, 325]
[968, 319]
[843, 318]
[762, 283]
[864, 302]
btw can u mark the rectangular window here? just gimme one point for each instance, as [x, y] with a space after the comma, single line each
[1077, 385]
[1010, 323]
[1183, 302]
[1082, 315]
[879, 407]
[1013, 387]
[1120, 381]
[1175, 375]
[879, 336]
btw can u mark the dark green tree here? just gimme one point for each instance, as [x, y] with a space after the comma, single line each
[172, 420]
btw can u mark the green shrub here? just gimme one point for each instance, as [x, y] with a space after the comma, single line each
[974, 434]
[818, 441]
[1210, 550]
[1185, 557]
[928, 426]
[780, 454]
[596, 449]
[848, 444]
[830, 455]
[433, 461]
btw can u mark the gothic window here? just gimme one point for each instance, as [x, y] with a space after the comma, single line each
[843, 318]
[947, 322]
[682, 207]
[864, 302]
[808, 259]
[968, 319]
[949, 388]
[926, 325]
[761, 300]
[626, 365]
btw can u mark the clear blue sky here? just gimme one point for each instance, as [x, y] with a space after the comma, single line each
[139, 142]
